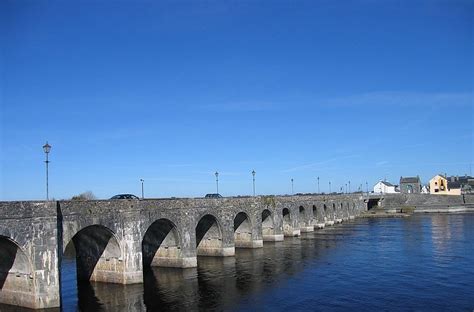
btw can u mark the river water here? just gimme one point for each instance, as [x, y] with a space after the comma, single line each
[421, 263]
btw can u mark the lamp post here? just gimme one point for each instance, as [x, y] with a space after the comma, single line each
[318, 185]
[217, 181]
[367, 187]
[142, 188]
[47, 149]
[253, 180]
[329, 187]
[345, 188]
[349, 186]
[292, 189]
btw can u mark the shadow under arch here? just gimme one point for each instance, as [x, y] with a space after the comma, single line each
[302, 217]
[242, 231]
[287, 226]
[15, 267]
[286, 216]
[318, 217]
[96, 249]
[208, 236]
[268, 225]
[161, 245]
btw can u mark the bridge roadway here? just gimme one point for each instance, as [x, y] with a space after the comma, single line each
[115, 239]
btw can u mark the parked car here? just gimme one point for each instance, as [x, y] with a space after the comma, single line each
[213, 195]
[124, 196]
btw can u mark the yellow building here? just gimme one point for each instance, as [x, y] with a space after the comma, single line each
[440, 185]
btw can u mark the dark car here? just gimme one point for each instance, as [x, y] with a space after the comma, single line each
[124, 196]
[213, 195]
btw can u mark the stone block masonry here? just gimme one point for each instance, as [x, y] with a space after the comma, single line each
[115, 239]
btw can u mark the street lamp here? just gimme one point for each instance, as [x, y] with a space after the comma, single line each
[367, 187]
[142, 188]
[253, 178]
[47, 149]
[345, 188]
[292, 189]
[329, 187]
[318, 185]
[217, 181]
[349, 186]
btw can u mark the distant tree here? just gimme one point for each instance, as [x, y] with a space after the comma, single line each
[84, 196]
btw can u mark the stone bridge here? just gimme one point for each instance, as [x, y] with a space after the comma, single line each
[114, 240]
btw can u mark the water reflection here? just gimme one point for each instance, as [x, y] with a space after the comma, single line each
[169, 288]
[424, 262]
[218, 283]
[110, 297]
[444, 229]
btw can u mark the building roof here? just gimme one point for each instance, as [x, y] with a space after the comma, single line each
[387, 183]
[462, 179]
[454, 184]
[409, 180]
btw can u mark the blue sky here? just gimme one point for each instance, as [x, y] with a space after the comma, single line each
[171, 91]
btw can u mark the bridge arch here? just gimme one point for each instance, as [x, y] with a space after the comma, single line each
[268, 225]
[96, 250]
[208, 236]
[339, 212]
[242, 230]
[315, 214]
[16, 276]
[302, 217]
[304, 222]
[287, 227]
[161, 244]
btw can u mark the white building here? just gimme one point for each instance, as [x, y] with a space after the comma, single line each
[425, 189]
[383, 187]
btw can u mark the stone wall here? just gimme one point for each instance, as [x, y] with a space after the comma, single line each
[426, 203]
